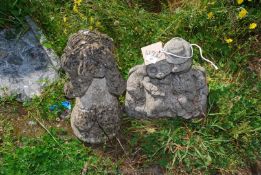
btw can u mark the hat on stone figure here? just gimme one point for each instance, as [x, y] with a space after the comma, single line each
[179, 53]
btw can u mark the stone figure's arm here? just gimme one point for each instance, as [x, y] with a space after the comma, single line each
[114, 80]
[134, 84]
[135, 95]
[141, 70]
[151, 88]
[200, 76]
[201, 82]
[74, 88]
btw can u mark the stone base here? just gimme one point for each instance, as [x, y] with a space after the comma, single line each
[95, 117]
[178, 94]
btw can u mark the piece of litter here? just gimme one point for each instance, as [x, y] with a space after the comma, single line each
[67, 105]
[152, 53]
[53, 107]
[31, 123]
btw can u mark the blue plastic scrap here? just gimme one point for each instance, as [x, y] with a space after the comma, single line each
[53, 107]
[67, 105]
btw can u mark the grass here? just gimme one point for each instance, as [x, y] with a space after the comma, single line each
[226, 142]
[43, 155]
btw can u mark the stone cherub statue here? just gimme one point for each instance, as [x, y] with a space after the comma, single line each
[95, 82]
[170, 87]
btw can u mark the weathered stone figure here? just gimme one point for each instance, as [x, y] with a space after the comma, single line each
[168, 88]
[95, 82]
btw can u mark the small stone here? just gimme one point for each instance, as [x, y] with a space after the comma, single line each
[65, 114]
[31, 123]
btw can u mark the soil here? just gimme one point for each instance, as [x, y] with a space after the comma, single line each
[25, 125]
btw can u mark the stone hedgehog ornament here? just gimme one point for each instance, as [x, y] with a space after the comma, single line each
[168, 88]
[95, 82]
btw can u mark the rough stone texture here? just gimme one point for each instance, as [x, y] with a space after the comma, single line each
[95, 82]
[25, 65]
[89, 55]
[165, 89]
[95, 116]
[180, 47]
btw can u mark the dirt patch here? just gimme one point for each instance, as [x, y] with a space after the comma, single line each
[256, 168]
[174, 4]
[23, 124]
[132, 159]
[255, 66]
[153, 6]
[156, 6]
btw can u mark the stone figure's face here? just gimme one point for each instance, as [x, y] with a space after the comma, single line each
[163, 68]
[159, 70]
[85, 58]
[89, 55]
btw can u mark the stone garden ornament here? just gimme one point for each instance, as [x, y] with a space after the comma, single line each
[167, 85]
[96, 83]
